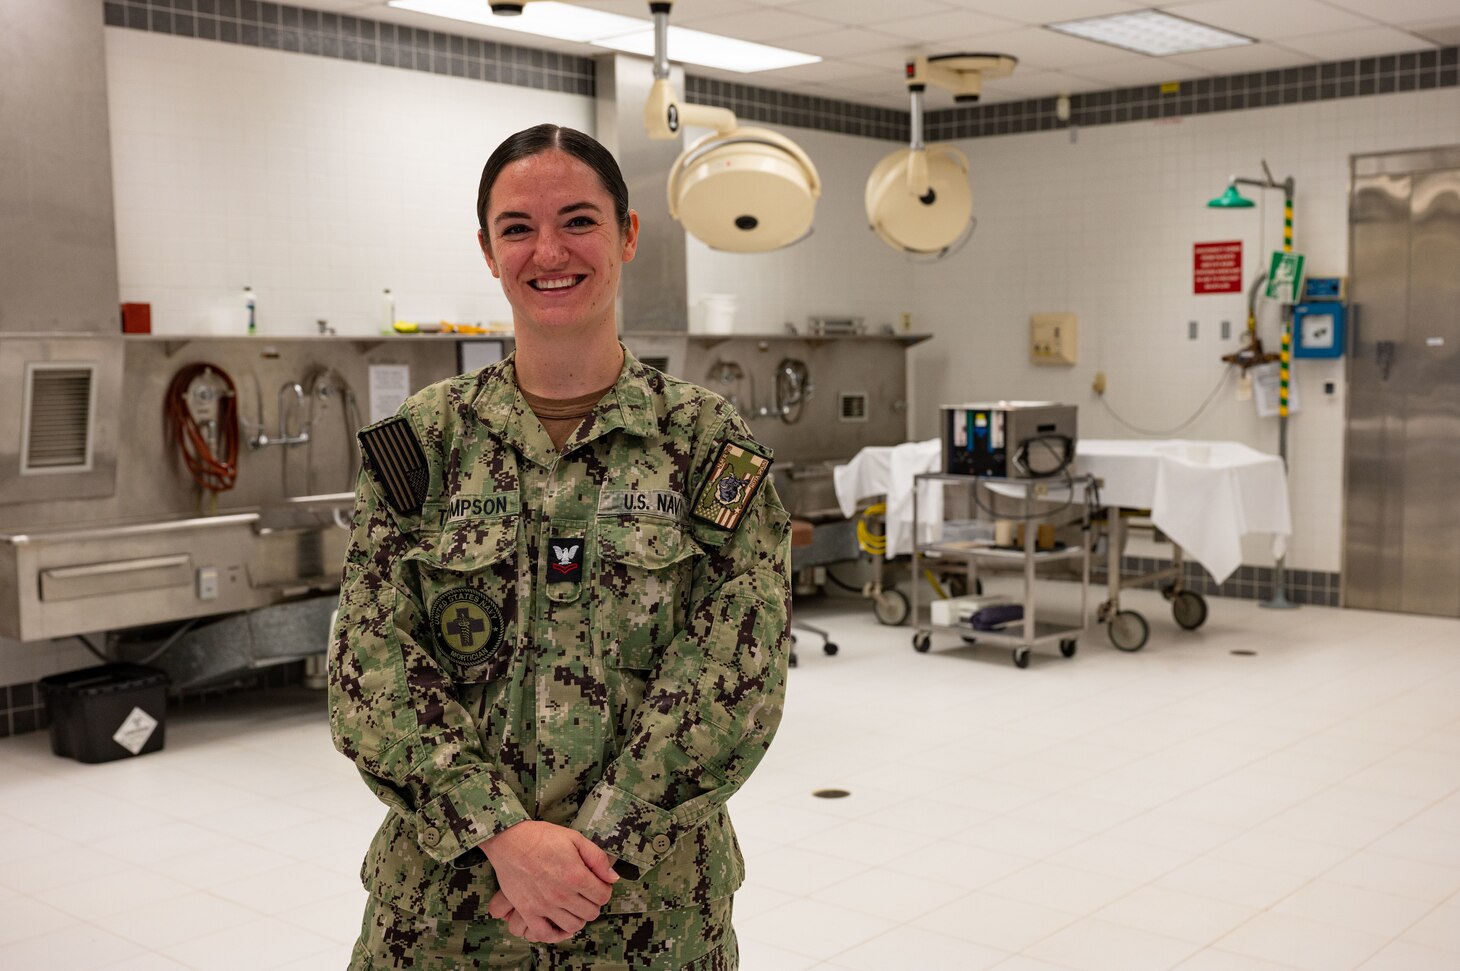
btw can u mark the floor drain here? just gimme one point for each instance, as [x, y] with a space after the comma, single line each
[831, 793]
[1245, 653]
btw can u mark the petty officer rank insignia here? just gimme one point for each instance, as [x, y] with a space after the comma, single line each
[395, 455]
[566, 565]
[467, 624]
[733, 481]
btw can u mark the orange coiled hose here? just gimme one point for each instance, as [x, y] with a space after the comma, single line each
[212, 473]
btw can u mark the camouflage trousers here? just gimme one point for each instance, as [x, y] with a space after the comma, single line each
[689, 939]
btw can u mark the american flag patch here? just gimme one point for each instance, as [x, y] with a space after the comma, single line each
[395, 456]
[732, 483]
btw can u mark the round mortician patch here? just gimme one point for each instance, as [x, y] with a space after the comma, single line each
[467, 625]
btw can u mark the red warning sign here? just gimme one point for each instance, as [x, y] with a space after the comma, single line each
[1217, 267]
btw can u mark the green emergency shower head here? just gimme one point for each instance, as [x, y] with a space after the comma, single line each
[1231, 199]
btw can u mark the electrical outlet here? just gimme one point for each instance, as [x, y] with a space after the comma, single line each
[1098, 386]
[1191, 330]
[1226, 330]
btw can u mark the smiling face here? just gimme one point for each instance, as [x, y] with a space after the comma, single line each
[552, 239]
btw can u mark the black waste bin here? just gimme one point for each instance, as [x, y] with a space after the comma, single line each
[111, 711]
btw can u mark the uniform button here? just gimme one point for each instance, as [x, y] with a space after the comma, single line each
[660, 843]
[431, 836]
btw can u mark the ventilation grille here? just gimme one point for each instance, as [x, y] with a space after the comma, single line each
[658, 363]
[852, 406]
[58, 419]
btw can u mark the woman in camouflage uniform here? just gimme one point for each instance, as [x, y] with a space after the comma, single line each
[562, 636]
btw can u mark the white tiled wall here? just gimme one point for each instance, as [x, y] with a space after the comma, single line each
[318, 182]
[1102, 226]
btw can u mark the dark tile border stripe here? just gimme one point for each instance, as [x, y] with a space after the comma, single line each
[1333, 80]
[302, 30]
[1318, 587]
[23, 710]
[798, 110]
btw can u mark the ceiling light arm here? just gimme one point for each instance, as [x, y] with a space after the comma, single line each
[664, 113]
[917, 159]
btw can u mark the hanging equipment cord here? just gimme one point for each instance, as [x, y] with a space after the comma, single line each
[213, 473]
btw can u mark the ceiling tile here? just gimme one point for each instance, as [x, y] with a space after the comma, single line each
[956, 30]
[855, 12]
[821, 71]
[843, 43]
[764, 26]
[1344, 44]
[1046, 49]
[1038, 12]
[1446, 33]
[1140, 70]
[1238, 60]
[684, 10]
[1401, 11]
[1266, 20]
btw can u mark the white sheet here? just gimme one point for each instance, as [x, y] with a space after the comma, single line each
[1204, 495]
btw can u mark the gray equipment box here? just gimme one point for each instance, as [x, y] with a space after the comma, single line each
[1008, 439]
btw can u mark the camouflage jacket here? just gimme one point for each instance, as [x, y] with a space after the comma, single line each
[596, 639]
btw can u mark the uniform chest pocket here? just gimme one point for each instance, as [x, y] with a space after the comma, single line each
[468, 583]
[641, 589]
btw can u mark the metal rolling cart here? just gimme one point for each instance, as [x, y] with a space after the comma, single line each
[1029, 632]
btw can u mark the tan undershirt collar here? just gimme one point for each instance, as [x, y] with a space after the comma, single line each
[560, 417]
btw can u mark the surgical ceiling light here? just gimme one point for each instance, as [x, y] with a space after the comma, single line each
[1151, 32]
[918, 198]
[737, 189]
[585, 25]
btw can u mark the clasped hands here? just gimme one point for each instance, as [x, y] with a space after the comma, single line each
[553, 880]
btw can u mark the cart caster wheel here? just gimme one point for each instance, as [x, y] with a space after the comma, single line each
[891, 608]
[830, 649]
[1168, 591]
[792, 661]
[1128, 630]
[969, 640]
[921, 643]
[1021, 659]
[1189, 609]
[1068, 648]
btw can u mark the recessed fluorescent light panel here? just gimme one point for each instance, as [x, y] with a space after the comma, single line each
[710, 50]
[1151, 32]
[563, 21]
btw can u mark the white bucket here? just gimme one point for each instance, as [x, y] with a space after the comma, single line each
[716, 313]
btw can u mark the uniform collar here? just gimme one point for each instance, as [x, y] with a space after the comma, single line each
[627, 405]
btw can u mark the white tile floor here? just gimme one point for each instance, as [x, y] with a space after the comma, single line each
[1180, 807]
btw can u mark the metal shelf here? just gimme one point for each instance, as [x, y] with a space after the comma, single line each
[1029, 632]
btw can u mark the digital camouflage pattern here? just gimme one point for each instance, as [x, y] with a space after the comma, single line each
[627, 702]
[688, 939]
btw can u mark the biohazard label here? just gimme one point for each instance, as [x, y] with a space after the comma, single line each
[467, 624]
[726, 493]
[135, 730]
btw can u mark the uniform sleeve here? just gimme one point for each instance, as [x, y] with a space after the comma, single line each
[714, 701]
[393, 708]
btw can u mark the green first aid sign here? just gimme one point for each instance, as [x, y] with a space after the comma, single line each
[1285, 277]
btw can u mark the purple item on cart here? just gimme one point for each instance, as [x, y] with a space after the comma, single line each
[992, 618]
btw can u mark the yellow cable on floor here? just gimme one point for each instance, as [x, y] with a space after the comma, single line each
[875, 544]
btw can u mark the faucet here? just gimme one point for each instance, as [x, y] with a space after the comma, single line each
[262, 438]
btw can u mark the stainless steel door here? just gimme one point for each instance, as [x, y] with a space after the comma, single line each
[1402, 530]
